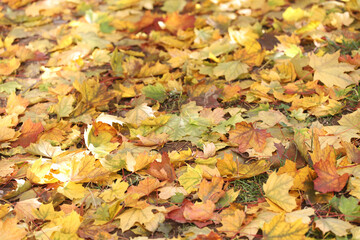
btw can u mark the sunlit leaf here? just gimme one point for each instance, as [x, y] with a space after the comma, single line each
[277, 189]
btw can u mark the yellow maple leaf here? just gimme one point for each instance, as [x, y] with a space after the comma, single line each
[9, 230]
[46, 212]
[134, 215]
[278, 228]
[277, 189]
[231, 221]
[117, 191]
[338, 227]
[7, 66]
[140, 162]
[72, 190]
[329, 71]
[191, 178]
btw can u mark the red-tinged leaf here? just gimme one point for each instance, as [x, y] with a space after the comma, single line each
[246, 136]
[149, 22]
[355, 60]
[200, 212]
[29, 133]
[175, 21]
[162, 170]
[328, 179]
[178, 213]
[211, 236]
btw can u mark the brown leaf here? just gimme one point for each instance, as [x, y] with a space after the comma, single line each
[246, 136]
[162, 170]
[211, 236]
[352, 152]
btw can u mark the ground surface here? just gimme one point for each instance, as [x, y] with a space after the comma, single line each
[179, 119]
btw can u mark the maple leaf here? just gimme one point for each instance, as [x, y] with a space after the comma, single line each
[352, 152]
[337, 226]
[29, 133]
[351, 120]
[276, 191]
[133, 215]
[232, 220]
[246, 136]
[329, 71]
[278, 228]
[145, 187]
[100, 139]
[191, 178]
[211, 190]
[7, 66]
[199, 211]
[175, 21]
[231, 70]
[9, 230]
[234, 169]
[162, 170]
[328, 179]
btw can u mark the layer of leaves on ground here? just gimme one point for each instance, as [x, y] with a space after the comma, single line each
[207, 119]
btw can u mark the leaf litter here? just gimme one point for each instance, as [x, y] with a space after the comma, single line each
[205, 119]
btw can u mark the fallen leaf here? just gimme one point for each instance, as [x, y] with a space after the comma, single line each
[9, 230]
[337, 226]
[329, 71]
[277, 228]
[231, 221]
[276, 191]
[211, 190]
[328, 179]
[162, 170]
[199, 211]
[246, 136]
[29, 133]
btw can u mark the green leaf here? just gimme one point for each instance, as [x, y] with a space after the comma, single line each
[174, 128]
[105, 27]
[156, 92]
[9, 87]
[173, 6]
[349, 207]
[231, 70]
[177, 198]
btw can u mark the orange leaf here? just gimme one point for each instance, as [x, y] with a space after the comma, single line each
[328, 179]
[231, 219]
[175, 21]
[211, 236]
[211, 190]
[29, 133]
[247, 137]
[145, 187]
[10, 231]
[16, 104]
[199, 212]
[162, 170]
